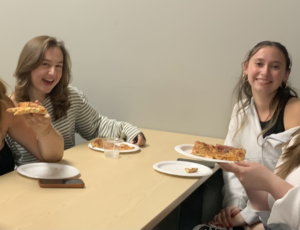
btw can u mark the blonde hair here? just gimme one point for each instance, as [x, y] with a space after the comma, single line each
[30, 58]
[244, 92]
[290, 157]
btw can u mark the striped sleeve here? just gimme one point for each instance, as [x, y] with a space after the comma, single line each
[90, 124]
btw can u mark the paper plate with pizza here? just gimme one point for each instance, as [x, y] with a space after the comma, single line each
[182, 168]
[207, 152]
[27, 107]
[125, 147]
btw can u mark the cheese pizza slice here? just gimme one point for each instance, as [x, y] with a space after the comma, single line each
[213, 152]
[27, 107]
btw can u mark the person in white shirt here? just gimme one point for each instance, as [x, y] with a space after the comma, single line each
[273, 196]
[264, 117]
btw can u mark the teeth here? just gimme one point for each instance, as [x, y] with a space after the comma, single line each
[262, 80]
[50, 80]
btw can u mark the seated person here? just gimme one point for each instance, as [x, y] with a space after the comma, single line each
[43, 73]
[265, 116]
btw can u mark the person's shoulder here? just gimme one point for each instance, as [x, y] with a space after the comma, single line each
[74, 91]
[75, 94]
[293, 105]
[292, 113]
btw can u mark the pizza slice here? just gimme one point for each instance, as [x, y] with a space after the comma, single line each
[27, 107]
[99, 144]
[191, 170]
[213, 152]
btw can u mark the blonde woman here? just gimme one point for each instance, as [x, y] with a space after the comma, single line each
[274, 197]
[43, 73]
[33, 131]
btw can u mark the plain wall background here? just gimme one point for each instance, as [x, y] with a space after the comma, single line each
[159, 64]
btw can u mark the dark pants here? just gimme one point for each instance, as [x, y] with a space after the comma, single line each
[200, 207]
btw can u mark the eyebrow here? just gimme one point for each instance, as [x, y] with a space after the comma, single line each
[50, 61]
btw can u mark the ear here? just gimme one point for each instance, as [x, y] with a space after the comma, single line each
[287, 74]
[245, 66]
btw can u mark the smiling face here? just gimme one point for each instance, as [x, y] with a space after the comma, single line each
[266, 70]
[46, 76]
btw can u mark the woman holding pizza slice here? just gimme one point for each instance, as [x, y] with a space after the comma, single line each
[43, 73]
[265, 116]
[33, 131]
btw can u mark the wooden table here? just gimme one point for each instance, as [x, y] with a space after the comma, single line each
[124, 193]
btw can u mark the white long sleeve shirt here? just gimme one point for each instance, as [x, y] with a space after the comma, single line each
[265, 151]
[285, 212]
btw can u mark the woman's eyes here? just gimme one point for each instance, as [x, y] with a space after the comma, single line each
[48, 65]
[261, 65]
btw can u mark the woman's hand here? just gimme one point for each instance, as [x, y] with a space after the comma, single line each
[224, 218]
[40, 123]
[252, 175]
[224, 147]
[139, 140]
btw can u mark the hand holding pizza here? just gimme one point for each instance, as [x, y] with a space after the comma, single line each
[40, 123]
[36, 115]
[251, 174]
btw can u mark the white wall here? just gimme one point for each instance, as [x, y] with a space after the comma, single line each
[159, 64]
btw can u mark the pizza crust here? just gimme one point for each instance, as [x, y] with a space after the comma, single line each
[213, 152]
[99, 144]
[27, 107]
[191, 170]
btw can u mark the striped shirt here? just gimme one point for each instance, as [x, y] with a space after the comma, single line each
[81, 118]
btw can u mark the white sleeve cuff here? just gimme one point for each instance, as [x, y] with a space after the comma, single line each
[249, 215]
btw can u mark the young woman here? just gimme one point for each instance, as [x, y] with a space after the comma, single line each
[264, 117]
[43, 73]
[274, 197]
[33, 131]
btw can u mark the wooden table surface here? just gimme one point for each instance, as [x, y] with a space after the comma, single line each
[123, 193]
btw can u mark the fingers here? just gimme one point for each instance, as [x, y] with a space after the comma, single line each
[228, 167]
[224, 147]
[226, 218]
[244, 163]
[140, 141]
[37, 118]
[37, 102]
[234, 212]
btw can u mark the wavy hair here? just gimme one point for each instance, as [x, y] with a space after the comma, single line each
[290, 157]
[30, 58]
[244, 93]
[3, 101]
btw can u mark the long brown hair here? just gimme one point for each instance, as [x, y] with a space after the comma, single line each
[3, 102]
[30, 58]
[290, 157]
[244, 93]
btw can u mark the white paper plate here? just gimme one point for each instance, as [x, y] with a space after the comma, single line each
[186, 150]
[178, 168]
[48, 171]
[136, 148]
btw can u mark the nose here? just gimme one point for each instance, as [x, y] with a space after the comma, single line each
[265, 70]
[51, 70]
